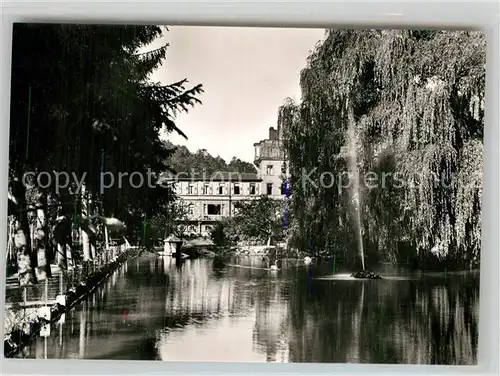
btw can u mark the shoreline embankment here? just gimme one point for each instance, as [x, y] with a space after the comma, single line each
[22, 333]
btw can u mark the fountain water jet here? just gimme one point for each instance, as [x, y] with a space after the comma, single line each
[353, 170]
[355, 193]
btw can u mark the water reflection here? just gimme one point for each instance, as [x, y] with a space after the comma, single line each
[210, 311]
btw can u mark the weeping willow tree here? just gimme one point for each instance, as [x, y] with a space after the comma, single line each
[415, 103]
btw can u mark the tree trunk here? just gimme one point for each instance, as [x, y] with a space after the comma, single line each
[62, 236]
[11, 249]
[85, 235]
[93, 247]
[43, 271]
[92, 231]
[26, 260]
[61, 256]
[70, 240]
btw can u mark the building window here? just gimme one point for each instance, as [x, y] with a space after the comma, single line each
[205, 189]
[213, 209]
[221, 189]
[269, 170]
[236, 189]
[204, 209]
[191, 209]
[190, 189]
[269, 188]
[252, 188]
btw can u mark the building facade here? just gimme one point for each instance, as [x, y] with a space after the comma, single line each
[210, 198]
[271, 163]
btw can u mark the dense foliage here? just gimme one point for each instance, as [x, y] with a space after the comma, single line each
[172, 220]
[255, 221]
[87, 105]
[184, 161]
[408, 105]
[82, 103]
[219, 234]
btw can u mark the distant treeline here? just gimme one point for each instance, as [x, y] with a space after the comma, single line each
[184, 161]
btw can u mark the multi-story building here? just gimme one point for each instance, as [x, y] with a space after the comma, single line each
[270, 161]
[209, 198]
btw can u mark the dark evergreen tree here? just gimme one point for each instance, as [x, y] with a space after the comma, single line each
[82, 103]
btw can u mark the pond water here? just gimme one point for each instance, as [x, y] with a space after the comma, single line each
[205, 310]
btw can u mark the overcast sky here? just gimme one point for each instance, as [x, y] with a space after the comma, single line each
[246, 72]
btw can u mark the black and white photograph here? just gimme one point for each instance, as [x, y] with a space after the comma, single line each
[244, 194]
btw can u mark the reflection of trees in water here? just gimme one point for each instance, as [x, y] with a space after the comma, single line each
[196, 294]
[453, 324]
[272, 320]
[432, 320]
[321, 320]
[426, 321]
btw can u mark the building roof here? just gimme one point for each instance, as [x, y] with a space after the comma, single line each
[221, 176]
[268, 141]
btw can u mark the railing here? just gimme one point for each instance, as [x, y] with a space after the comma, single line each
[25, 302]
